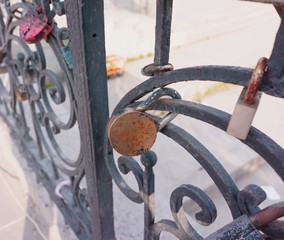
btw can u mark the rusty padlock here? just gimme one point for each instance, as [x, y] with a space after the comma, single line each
[34, 27]
[22, 93]
[247, 103]
[240, 228]
[134, 132]
[246, 228]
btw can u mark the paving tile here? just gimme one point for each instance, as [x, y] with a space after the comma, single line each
[21, 229]
[9, 209]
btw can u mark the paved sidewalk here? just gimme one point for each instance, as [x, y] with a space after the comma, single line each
[26, 214]
[15, 221]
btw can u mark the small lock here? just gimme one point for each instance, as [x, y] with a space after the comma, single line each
[247, 103]
[66, 52]
[21, 93]
[34, 27]
[30, 75]
[65, 49]
[240, 228]
[243, 116]
[246, 228]
[134, 132]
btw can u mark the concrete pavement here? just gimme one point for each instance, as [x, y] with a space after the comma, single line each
[219, 32]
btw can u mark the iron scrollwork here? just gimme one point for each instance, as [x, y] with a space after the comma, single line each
[161, 73]
[31, 95]
[240, 202]
[43, 104]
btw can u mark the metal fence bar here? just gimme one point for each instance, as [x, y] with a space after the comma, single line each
[163, 31]
[86, 28]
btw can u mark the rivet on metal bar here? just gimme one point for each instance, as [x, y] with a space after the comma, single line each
[247, 103]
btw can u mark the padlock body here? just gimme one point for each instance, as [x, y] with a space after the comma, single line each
[66, 52]
[132, 133]
[21, 93]
[241, 229]
[243, 116]
[34, 27]
[30, 75]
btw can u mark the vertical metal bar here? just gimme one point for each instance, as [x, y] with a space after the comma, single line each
[163, 31]
[149, 159]
[276, 61]
[86, 28]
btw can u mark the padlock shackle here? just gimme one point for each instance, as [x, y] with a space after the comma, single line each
[157, 95]
[165, 120]
[255, 80]
[153, 98]
[268, 215]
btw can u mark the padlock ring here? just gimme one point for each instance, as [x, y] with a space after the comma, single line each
[255, 80]
[132, 133]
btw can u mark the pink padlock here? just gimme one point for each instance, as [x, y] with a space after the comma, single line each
[34, 27]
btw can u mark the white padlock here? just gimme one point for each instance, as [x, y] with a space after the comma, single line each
[247, 103]
[243, 116]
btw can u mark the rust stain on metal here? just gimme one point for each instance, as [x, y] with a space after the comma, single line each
[21, 94]
[268, 215]
[132, 133]
[255, 80]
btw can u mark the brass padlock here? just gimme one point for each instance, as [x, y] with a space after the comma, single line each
[134, 132]
[247, 103]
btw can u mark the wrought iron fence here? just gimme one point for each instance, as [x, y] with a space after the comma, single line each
[81, 185]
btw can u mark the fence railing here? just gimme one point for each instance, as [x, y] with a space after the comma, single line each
[42, 106]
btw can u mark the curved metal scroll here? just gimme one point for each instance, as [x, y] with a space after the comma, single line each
[239, 203]
[41, 104]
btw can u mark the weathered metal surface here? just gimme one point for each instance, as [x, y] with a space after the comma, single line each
[132, 133]
[34, 27]
[268, 215]
[255, 80]
[89, 211]
[162, 40]
[45, 92]
[89, 69]
[247, 103]
[240, 229]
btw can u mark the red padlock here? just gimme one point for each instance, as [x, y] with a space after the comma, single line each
[34, 27]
